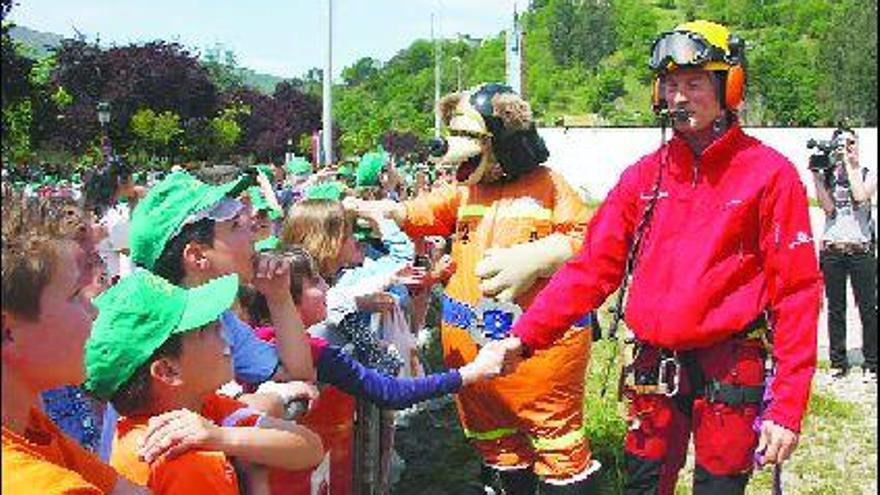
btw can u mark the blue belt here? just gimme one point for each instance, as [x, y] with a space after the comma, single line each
[491, 320]
[457, 313]
[495, 321]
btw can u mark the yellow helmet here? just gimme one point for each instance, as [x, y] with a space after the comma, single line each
[707, 45]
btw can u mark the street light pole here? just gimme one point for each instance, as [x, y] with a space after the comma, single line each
[104, 119]
[328, 81]
[436, 80]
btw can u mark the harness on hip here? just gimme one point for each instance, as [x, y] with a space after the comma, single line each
[663, 375]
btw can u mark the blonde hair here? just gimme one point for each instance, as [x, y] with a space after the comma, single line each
[321, 226]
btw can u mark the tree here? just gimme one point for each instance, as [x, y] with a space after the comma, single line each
[849, 62]
[157, 75]
[594, 34]
[362, 70]
[267, 122]
[155, 132]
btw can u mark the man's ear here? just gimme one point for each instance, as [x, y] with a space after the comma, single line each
[166, 371]
[193, 257]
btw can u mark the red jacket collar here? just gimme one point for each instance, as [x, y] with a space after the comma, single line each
[716, 154]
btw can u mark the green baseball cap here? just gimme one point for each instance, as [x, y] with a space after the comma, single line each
[345, 171]
[369, 168]
[177, 200]
[270, 243]
[266, 170]
[139, 314]
[298, 166]
[326, 190]
[259, 203]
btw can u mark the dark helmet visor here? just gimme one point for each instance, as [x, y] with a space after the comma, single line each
[683, 49]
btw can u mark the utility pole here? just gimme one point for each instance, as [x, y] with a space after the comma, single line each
[327, 116]
[436, 79]
[513, 54]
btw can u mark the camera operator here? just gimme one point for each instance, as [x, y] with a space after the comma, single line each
[844, 188]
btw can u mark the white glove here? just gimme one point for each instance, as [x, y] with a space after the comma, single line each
[506, 273]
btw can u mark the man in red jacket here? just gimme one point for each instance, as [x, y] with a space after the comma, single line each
[725, 253]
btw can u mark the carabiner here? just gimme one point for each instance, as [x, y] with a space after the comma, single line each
[661, 375]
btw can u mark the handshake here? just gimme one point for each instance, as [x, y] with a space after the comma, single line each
[496, 358]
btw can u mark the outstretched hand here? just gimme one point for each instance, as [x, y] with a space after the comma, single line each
[511, 350]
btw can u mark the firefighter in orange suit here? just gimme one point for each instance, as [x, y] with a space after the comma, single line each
[513, 222]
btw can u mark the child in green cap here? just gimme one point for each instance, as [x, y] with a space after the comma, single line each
[189, 232]
[157, 353]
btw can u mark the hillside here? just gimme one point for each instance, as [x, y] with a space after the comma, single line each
[809, 63]
[588, 59]
[38, 44]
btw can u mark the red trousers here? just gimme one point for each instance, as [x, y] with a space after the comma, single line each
[724, 438]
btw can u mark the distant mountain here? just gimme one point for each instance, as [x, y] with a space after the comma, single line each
[265, 83]
[38, 44]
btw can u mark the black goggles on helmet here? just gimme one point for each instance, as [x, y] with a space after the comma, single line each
[683, 48]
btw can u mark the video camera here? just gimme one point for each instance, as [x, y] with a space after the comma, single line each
[827, 152]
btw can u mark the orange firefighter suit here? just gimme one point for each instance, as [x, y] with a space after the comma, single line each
[534, 416]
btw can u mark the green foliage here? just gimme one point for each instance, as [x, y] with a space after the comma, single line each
[805, 67]
[42, 69]
[603, 416]
[787, 78]
[17, 118]
[849, 63]
[154, 131]
[61, 98]
[360, 71]
[226, 132]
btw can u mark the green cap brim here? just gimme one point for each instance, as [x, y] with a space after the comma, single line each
[268, 244]
[207, 302]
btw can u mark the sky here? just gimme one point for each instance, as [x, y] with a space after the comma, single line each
[278, 37]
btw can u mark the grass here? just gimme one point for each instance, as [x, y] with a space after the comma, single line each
[603, 416]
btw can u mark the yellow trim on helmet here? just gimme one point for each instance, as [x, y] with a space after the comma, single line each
[714, 33]
[713, 65]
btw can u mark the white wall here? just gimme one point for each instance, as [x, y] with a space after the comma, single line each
[595, 157]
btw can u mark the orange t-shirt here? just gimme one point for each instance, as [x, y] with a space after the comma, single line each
[46, 461]
[196, 471]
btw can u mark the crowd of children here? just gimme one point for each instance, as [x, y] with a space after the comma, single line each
[190, 334]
